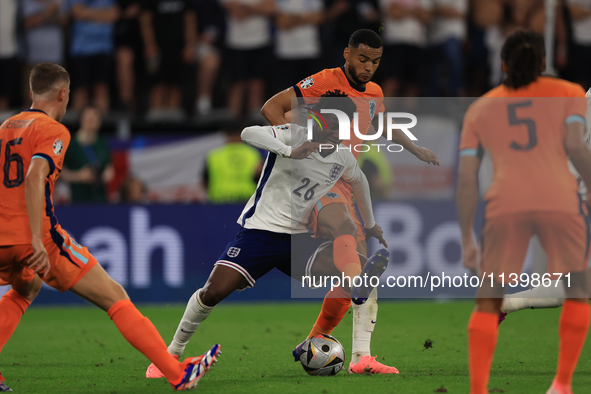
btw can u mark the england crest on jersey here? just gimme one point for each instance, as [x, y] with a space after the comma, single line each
[372, 108]
[233, 252]
[335, 171]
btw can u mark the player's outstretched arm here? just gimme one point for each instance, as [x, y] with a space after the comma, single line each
[466, 200]
[578, 151]
[264, 137]
[34, 196]
[421, 153]
[277, 110]
[360, 187]
[272, 140]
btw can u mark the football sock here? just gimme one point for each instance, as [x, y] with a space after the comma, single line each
[195, 313]
[538, 297]
[482, 340]
[572, 328]
[13, 306]
[334, 307]
[345, 255]
[364, 321]
[139, 331]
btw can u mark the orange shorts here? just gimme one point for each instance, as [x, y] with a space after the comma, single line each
[564, 237]
[341, 193]
[69, 262]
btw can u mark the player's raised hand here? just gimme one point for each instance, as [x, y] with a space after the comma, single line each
[426, 155]
[40, 259]
[305, 150]
[377, 232]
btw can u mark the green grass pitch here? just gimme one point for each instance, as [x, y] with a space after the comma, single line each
[79, 350]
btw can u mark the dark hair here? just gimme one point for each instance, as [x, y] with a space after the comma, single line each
[523, 54]
[343, 102]
[44, 77]
[365, 37]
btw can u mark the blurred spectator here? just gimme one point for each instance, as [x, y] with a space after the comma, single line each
[169, 32]
[297, 44]
[127, 42]
[43, 33]
[404, 39]
[447, 32]
[134, 191]
[496, 18]
[580, 56]
[531, 14]
[475, 76]
[91, 50]
[248, 39]
[342, 18]
[8, 52]
[378, 171]
[210, 17]
[231, 171]
[87, 164]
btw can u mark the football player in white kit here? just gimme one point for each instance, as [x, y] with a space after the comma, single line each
[274, 233]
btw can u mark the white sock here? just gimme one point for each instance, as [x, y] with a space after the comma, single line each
[537, 297]
[195, 313]
[364, 321]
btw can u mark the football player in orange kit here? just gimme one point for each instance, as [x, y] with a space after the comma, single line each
[334, 216]
[33, 245]
[528, 137]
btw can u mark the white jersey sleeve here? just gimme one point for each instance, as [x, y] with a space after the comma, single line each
[274, 139]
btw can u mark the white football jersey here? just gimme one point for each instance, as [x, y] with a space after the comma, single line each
[289, 189]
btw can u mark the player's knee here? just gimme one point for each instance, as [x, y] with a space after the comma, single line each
[116, 293]
[335, 220]
[211, 295]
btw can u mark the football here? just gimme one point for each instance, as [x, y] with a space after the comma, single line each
[322, 355]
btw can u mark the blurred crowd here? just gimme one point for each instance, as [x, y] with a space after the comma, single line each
[173, 59]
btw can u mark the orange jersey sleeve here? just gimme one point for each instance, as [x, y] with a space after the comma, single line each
[30, 135]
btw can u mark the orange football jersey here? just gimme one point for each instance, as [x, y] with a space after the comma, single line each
[524, 132]
[369, 100]
[30, 134]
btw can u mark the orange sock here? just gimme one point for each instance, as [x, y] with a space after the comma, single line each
[13, 306]
[345, 255]
[139, 331]
[482, 340]
[335, 306]
[572, 328]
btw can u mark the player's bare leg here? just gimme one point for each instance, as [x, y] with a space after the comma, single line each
[222, 282]
[100, 289]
